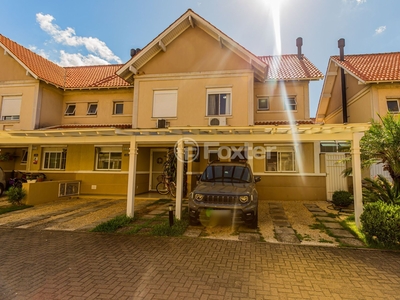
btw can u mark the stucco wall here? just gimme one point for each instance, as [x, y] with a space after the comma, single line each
[105, 100]
[277, 93]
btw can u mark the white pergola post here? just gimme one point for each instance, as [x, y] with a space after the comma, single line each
[357, 180]
[250, 154]
[179, 178]
[130, 206]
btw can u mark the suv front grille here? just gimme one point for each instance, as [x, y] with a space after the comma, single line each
[220, 199]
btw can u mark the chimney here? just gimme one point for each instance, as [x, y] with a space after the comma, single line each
[341, 45]
[343, 82]
[299, 43]
[134, 51]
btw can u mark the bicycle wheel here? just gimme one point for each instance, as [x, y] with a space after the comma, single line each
[162, 188]
[172, 188]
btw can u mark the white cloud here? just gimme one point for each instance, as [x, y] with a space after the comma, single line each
[361, 1]
[99, 53]
[41, 52]
[380, 29]
[77, 59]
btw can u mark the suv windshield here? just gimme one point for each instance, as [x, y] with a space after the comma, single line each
[226, 174]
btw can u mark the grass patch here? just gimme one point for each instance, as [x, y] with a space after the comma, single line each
[164, 229]
[325, 241]
[113, 224]
[7, 209]
[350, 224]
[318, 226]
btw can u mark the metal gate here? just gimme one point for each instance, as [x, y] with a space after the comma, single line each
[377, 169]
[334, 176]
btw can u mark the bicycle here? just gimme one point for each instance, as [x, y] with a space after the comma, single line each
[165, 185]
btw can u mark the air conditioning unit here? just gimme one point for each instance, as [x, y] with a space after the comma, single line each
[161, 123]
[217, 121]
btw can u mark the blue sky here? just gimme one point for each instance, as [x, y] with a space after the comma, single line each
[103, 31]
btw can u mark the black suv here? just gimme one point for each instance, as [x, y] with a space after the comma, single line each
[225, 189]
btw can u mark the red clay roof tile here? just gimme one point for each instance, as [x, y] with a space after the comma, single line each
[372, 67]
[290, 67]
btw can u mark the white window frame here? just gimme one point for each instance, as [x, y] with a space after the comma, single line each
[115, 111]
[11, 108]
[291, 104]
[24, 157]
[67, 110]
[220, 92]
[398, 106]
[259, 108]
[112, 164]
[165, 104]
[61, 158]
[90, 110]
[280, 165]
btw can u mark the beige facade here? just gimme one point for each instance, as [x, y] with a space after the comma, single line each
[178, 78]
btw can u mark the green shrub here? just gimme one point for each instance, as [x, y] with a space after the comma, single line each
[381, 224]
[15, 195]
[342, 198]
[380, 189]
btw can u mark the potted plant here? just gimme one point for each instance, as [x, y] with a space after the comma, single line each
[15, 195]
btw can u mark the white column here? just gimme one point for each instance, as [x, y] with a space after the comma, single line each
[130, 206]
[179, 178]
[357, 180]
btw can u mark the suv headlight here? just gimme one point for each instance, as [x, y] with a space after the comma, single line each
[244, 199]
[198, 197]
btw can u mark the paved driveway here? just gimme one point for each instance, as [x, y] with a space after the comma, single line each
[287, 222]
[80, 265]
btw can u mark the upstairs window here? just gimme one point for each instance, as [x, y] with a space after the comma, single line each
[92, 109]
[108, 158]
[10, 108]
[219, 102]
[118, 108]
[165, 104]
[290, 104]
[70, 111]
[262, 104]
[393, 105]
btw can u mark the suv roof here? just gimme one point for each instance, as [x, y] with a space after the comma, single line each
[233, 163]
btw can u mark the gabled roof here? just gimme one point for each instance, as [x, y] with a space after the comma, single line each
[366, 68]
[290, 67]
[37, 66]
[372, 68]
[187, 20]
[65, 78]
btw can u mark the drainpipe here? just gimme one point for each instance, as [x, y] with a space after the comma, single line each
[341, 45]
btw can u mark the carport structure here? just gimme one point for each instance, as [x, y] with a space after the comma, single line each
[178, 136]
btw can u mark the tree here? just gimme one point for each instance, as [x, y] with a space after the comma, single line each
[381, 144]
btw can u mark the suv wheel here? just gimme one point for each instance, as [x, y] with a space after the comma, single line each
[253, 224]
[1, 189]
[193, 221]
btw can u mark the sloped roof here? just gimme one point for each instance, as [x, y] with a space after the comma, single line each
[378, 67]
[93, 76]
[36, 65]
[66, 78]
[286, 122]
[290, 67]
[187, 20]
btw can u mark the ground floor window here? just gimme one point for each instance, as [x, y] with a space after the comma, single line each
[54, 159]
[280, 159]
[108, 158]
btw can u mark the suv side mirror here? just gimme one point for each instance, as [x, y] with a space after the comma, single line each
[257, 178]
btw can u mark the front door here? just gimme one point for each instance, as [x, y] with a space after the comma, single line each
[158, 157]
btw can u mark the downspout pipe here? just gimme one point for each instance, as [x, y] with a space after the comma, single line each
[341, 44]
